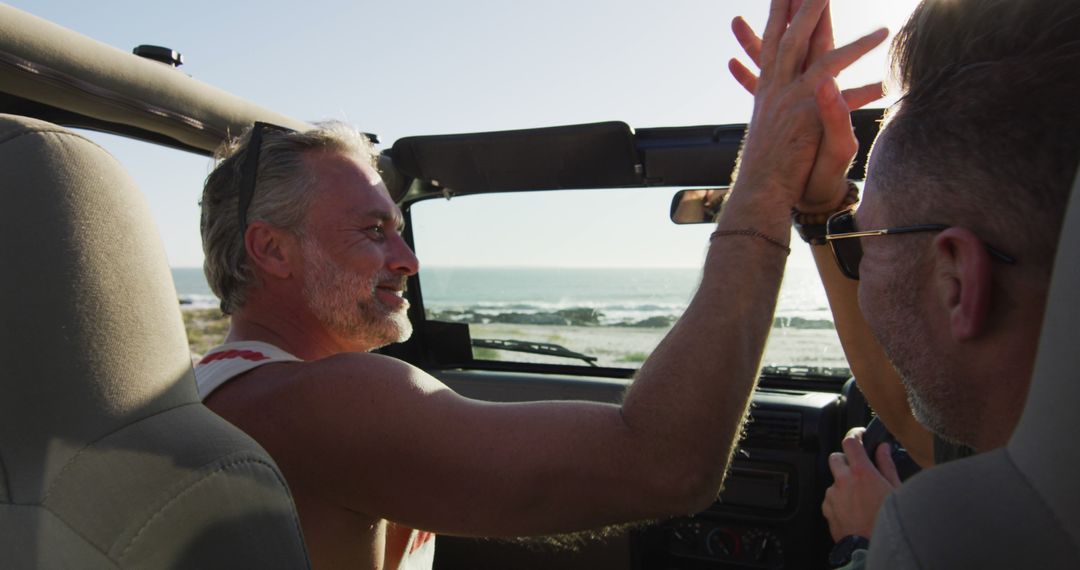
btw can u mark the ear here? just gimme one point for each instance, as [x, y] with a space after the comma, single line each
[964, 281]
[271, 249]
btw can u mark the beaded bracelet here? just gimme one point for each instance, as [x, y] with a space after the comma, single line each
[811, 227]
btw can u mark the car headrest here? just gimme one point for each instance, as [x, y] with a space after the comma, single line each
[92, 339]
[1042, 445]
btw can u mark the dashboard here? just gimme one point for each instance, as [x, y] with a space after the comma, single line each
[768, 515]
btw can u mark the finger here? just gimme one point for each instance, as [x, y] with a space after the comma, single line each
[838, 465]
[859, 97]
[746, 37]
[774, 30]
[840, 58]
[793, 9]
[744, 76]
[855, 432]
[835, 153]
[821, 41]
[793, 48]
[856, 455]
[886, 465]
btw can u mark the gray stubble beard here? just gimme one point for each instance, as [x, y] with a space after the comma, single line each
[332, 296]
[934, 396]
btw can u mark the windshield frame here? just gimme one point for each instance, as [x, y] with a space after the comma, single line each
[424, 350]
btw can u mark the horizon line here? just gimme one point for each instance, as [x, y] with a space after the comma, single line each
[423, 267]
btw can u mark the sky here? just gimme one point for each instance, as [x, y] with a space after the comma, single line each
[400, 68]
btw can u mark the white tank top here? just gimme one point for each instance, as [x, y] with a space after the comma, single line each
[232, 359]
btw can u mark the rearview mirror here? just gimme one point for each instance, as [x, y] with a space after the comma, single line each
[698, 206]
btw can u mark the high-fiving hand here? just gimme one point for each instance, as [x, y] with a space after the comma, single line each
[800, 142]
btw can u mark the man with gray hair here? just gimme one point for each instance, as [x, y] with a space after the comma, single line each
[303, 246]
[951, 251]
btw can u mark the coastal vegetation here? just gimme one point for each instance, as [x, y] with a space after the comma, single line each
[206, 328]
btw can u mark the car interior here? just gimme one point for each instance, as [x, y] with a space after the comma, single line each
[108, 460]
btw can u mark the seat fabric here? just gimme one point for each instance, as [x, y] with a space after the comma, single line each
[107, 458]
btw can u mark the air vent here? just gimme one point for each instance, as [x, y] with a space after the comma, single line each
[772, 429]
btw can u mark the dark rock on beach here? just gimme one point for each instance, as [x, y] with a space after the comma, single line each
[801, 323]
[659, 321]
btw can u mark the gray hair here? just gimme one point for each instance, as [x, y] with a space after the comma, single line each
[987, 133]
[282, 196]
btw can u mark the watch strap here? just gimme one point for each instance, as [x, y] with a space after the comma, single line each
[845, 547]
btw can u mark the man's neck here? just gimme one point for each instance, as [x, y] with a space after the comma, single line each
[1001, 415]
[299, 334]
[1002, 382]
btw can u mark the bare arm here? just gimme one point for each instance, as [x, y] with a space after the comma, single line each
[876, 376]
[384, 438]
[381, 437]
[405, 447]
[826, 188]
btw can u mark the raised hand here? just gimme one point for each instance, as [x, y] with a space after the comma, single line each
[825, 186]
[820, 44]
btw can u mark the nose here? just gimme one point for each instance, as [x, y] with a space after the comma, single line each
[402, 260]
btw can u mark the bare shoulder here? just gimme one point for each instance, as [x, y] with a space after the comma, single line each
[285, 405]
[374, 377]
[347, 379]
[352, 365]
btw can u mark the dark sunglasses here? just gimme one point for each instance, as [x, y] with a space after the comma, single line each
[250, 169]
[843, 240]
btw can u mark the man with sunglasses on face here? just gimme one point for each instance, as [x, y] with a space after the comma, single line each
[303, 245]
[950, 253]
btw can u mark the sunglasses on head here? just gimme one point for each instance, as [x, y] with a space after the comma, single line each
[250, 169]
[843, 239]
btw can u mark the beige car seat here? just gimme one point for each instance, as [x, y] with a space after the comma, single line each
[1019, 506]
[107, 458]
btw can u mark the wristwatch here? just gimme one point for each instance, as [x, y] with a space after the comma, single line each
[845, 547]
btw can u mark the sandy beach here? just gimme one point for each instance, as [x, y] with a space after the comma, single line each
[627, 347]
[621, 347]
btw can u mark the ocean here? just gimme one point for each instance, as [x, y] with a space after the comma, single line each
[617, 315]
[616, 296]
[192, 288]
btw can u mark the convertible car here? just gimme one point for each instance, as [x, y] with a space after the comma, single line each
[540, 281]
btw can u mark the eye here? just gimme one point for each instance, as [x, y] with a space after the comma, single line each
[376, 232]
